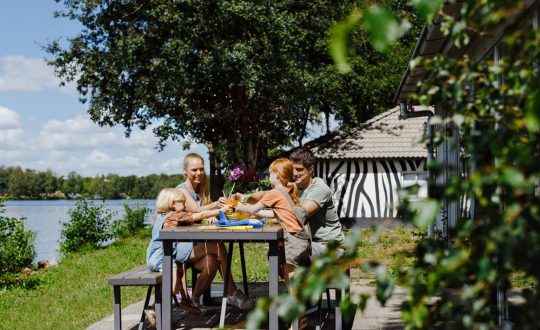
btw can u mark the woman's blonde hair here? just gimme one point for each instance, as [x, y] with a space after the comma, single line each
[202, 189]
[284, 169]
[166, 197]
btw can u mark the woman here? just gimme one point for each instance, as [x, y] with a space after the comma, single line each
[282, 198]
[207, 256]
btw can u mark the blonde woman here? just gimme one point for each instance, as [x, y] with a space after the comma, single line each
[198, 200]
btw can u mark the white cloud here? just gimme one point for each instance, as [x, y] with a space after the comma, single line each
[19, 73]
[11, 134]
[100, 159]
[172, 166]
[79, 145]
[78, 133]
[8, 119]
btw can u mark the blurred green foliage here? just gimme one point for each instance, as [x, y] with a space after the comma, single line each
[494, 104]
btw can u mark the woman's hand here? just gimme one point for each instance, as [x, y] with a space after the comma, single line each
[222, 201]
[227, 209]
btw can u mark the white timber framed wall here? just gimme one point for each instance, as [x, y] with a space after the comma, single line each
[367, 189]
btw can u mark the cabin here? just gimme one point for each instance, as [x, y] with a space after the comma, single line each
[366, 166]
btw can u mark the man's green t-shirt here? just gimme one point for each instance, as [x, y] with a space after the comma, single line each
[324, 224]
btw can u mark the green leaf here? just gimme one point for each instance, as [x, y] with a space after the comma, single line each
[363, 301]
[348, 308]
[338, 41]
[532, 112]
[352, 240]
[511, 177]
[425, 212]
[426, 9]
[289, 307]
[383, 28]
[256, 317]
[315, 286]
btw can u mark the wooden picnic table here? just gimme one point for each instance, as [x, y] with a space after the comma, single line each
[198, 233]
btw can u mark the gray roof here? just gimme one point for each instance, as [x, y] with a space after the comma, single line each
[383, 136]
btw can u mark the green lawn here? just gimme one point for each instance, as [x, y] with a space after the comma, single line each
[393, 248]
[75, 294]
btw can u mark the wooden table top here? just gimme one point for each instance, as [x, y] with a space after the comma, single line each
[214, 233]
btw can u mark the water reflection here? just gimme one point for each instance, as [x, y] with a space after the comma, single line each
[45, 218]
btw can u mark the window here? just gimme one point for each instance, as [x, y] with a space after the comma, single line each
[416, 178]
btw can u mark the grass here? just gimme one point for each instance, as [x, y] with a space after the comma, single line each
[75, 294]
[393, 248]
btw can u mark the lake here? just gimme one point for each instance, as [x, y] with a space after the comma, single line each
[45, 218]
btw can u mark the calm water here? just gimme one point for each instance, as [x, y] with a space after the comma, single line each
[45, 218]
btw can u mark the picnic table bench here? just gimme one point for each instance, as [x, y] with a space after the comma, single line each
[139, 276]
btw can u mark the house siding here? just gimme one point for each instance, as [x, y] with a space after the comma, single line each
[367, 188]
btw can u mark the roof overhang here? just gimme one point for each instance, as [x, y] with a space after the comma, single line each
[433, 42]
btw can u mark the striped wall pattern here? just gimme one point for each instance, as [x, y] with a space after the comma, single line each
[365, 188]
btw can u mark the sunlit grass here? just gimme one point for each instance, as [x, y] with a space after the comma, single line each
[392, 247]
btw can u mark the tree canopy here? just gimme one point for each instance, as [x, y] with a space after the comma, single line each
[242, 77]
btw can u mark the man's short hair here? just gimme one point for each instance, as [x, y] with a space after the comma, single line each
[303, 156]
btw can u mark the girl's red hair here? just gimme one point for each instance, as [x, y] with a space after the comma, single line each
[284, 169]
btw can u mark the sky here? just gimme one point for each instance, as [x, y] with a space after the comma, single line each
[44, 126]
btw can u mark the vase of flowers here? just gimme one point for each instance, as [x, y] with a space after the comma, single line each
[245, 181]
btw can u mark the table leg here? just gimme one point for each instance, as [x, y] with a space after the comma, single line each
[158, 306]
[226, 279]
[167, 286]
[273, 281]
[243, 264]
[117, 308]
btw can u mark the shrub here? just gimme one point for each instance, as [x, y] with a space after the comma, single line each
[16, 247]
[90, 226]
[133, 222]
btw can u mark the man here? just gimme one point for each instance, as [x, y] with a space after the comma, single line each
[316, 198]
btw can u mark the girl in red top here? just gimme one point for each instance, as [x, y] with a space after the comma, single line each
[297, 239]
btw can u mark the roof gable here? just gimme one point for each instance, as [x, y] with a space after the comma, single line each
[383, 136]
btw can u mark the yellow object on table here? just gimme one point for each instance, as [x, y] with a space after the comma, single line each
[212, 227]
[238, 216]
[239, 227]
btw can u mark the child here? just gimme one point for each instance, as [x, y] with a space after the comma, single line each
[282, 199]
[171, 212]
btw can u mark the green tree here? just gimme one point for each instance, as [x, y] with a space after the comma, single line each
[242, 77]
[73, 184]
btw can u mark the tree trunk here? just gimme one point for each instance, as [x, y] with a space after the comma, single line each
[216, 177]
[247, 135]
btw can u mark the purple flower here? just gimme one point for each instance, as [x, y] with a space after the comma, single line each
[237, 174]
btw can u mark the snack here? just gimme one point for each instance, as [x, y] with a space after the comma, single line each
[238, 216]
